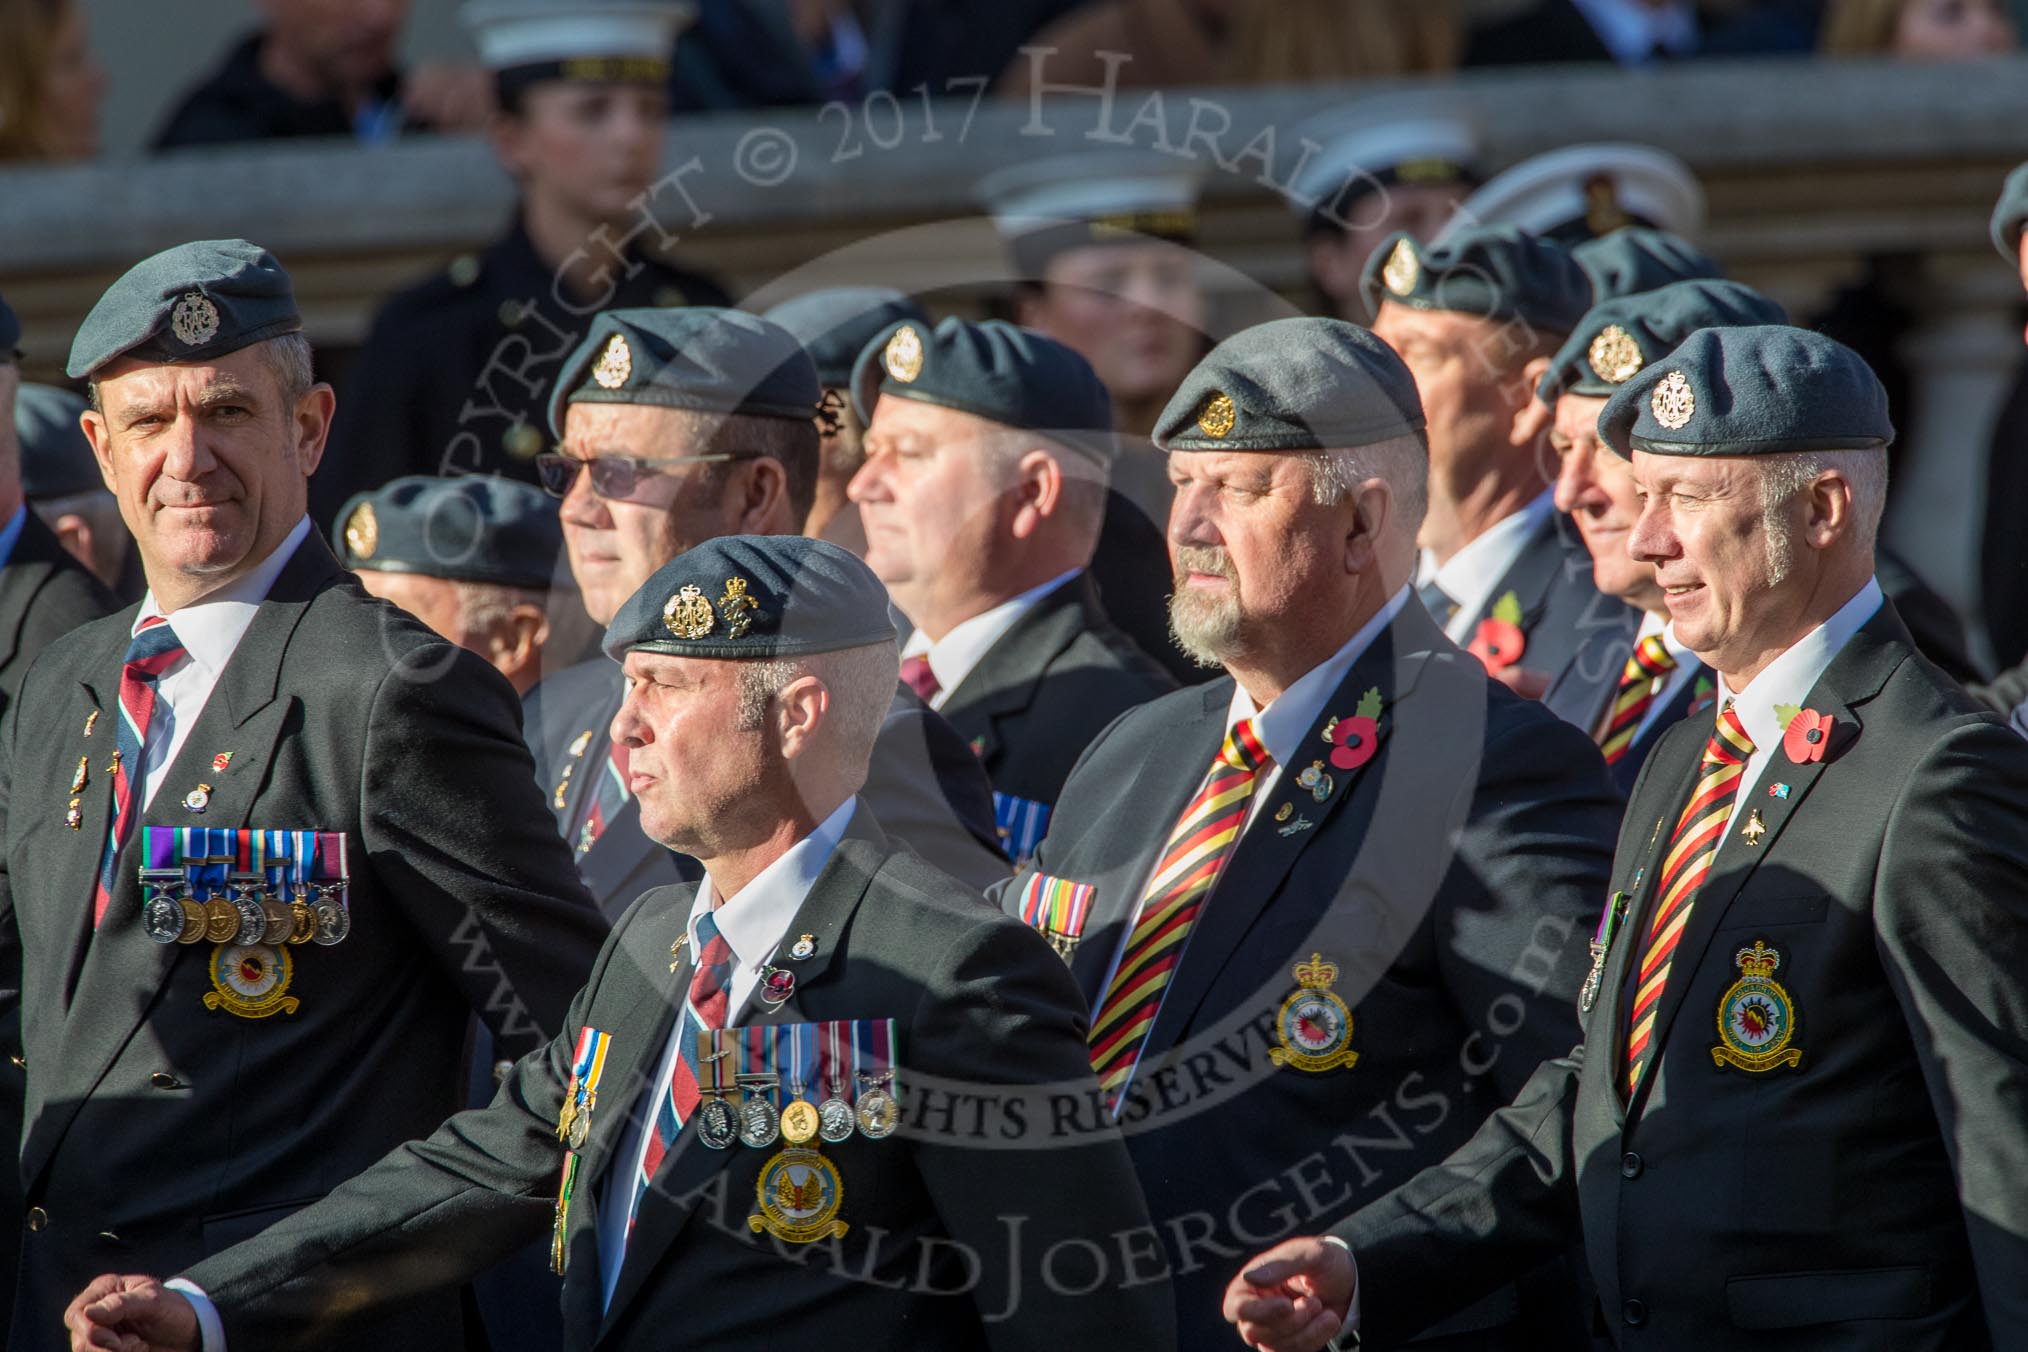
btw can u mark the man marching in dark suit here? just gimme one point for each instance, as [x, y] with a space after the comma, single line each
[1318, 964]
[681, 426]
[1794, 1119]
[1628, 689]
[1477, 319]
[188, 1086]
[982, 493]
[840, 990]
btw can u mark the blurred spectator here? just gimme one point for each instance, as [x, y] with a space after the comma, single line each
[1637, 32]
[1198, 42]
[1580, 192]
[60, 478]
[1917, 30]
[50, 85]
[765, 53]
[324, 68]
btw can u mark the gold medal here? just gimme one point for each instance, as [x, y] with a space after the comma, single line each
[221, 920]
[304, 918]
[195, 923]
[799, 1121]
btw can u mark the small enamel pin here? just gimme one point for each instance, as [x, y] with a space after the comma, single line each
[1285, 811]
[74, 818]
[676, 950]
[776, 986]
[1296, 827]
[804, 948]
[198, 798]
[1754, 829]
[77, 781]
[1778, 791]
[220, 761]
[90, 719]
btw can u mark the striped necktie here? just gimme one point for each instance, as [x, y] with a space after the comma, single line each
[1440, 604]
[916, 674]
[608, 797]
[1646, 670]
[1190, 864]
[154, 649]
[703, 1009]
[1694, 845]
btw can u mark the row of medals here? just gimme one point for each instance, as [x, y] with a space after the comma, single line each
[249, 917]
[755, 1122]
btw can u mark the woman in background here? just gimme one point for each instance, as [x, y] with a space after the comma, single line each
[1917, 30]
[50, 85]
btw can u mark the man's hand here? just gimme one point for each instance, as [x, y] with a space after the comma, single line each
[1293, 1298]
[131, 1314]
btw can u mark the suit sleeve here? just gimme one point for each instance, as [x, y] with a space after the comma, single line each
[2006, 692]
[1951, 915]
[456, 829]
[1006, 893]
[1033, 1203]
[927, 790]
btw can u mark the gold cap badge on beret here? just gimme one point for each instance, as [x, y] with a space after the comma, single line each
[1218, 416]
[1614, 355]
[194, 321]
[362, 531]
[737, 609]
[1673, 403]
[903, 354]
[615, 363]
[688, 615]
[1402, 269]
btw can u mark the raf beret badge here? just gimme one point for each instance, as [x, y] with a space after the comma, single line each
[194, 321]
[615, 363]
[688, 615]
[737, 609]
[903, 354]
[1674, 402]
[362, 531]
[1614, 355]
[1218, 416]
[1402, 270]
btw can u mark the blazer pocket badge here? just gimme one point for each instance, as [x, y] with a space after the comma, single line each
[1756, 1016]
[1313, 1025]
[1059, 908]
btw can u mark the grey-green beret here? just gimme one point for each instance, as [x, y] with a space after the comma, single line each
[188, 304]
[754, 597]
[993, 370]
[1495, 272]
[2009, 215]
[1750, 391]
[465, 527]
[1640, 258]
[56, 456]
[1616, 341]
[834, 325]
[1292, 385]
[695, 357]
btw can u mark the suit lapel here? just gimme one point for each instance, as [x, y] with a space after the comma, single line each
[1531, 577]
[1004, 680]
[98, 707]
[589, 767]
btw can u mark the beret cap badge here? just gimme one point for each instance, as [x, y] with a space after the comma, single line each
[1614, 355]
[1402, 270]
[615, 363]
[688, 615]
[1218, 416]
[736, 608]
[194, 321]
[1673, 403]
[903, 354]
[362, 531]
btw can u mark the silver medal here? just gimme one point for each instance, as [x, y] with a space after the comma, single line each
[253, 921]
[718, 1124]
[334, 922]
[878, 1114]
[162, 918]
[759, 1124]
[834, 1120]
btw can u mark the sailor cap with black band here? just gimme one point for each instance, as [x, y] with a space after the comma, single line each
[1044, 207]
[1640, 258]
[191, 303]
[1618, 340]
[1588, 191]
[1293, 385]
[526, 42]
[700, 357]
[1499, 272]
[2010, 213]
[1762, 390]
[1363, 147]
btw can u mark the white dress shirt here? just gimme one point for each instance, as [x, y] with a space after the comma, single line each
[210, 631]
[1474, 571]
[1281, 727]
[1688, 664]
[952, 657]
[1632, 29]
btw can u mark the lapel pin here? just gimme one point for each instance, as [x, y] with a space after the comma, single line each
[1778, 790]
[74, 818]
[1355, 739]
[776, 986]
[1754, 829]
[77, 781]
[220, 761]
[1809, 732]
[1315, 780]
[1285, 811]
[676, 950]
[1300, 824]
[805, 947]
[1498, 642]
[90, 719]
[198, 798]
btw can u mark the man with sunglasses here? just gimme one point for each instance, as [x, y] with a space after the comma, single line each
[677, 427]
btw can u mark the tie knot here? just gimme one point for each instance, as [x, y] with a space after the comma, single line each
[1729, 743]
[916, 673]
[712, 949]
[1242, 749]
[1652, 656]
[154, 648]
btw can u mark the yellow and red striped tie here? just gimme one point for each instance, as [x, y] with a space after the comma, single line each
[1190, 864]
[1646, 670]
[1691, 849]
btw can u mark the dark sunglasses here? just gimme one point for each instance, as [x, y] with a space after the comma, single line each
[612, 476]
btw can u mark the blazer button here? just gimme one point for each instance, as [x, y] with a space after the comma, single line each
[38, 1219]
[1631, 1165]
[1634, 1313]
[162, 1079]
[19, 1064]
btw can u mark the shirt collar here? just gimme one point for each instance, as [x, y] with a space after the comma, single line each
[1475, 570]
[1631, 30]
[10, 534]
[1790, 678]
[211, 628]
[754, 922]
[1653, 624]
[1282, 726]
[952, 657]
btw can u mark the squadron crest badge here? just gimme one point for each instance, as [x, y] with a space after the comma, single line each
[799, 1195]
[1313, 1025]
[1756, 1016]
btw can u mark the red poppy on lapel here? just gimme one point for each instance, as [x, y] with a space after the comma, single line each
[1808, 734]
[1498, 641]
[1355, 739]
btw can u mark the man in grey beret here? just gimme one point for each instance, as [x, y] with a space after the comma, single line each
[472, 556]
[60, 479]
[1477, 318]
[982, 496]
[1346, 883]
[255, 691]
[679, 426]
[1637, 258]
[1794, 1118]
[817, 956]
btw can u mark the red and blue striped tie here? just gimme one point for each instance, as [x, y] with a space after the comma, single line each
[154, 650]
[703, 1010]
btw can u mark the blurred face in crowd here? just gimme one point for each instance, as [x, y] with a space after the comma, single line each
[491, 621]
[1134, 311]
[1476, 391]
[675, 503]
[347, 44]
[586, 149]
[1595, 488]
[74, 86]
[1952, 30]
[706, 785]
[1337, 257]
[210, 462]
